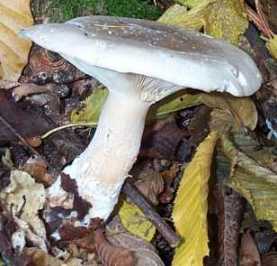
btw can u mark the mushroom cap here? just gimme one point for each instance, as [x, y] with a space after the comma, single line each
[182, 57]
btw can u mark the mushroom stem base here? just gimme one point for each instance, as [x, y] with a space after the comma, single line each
[102, 168]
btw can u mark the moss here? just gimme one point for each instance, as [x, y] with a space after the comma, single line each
[61, 10]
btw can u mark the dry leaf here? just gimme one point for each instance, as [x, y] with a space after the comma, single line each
[144, 252]
[190, 208]
[14, 15]
[255, 182]
[112, 255]
[41, 258]
[25, 198]
[230, 112]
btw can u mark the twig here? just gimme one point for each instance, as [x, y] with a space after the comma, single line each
[52, 131]
[30, 148]
[165, 230]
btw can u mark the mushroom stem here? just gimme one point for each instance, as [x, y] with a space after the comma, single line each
[102, 168]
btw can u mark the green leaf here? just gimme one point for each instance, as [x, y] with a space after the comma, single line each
[190, 206]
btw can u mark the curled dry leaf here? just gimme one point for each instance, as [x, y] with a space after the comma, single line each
[150, 183]
[37, 168]
[14, 50]
[143, 251]
[249, 255]
[25, 198]
[111, 255]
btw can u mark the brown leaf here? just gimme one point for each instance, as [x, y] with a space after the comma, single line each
[144, 252]
[41, 258]
[37, 168]
[150, 184]
[161, 139]
[111, 255]
[27, 122]
[249, 255]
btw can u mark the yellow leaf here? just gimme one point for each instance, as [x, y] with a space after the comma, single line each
[92, 107]
[271, 45]
[190, 208]
[223, 19]
[135, 222]
[14, 15]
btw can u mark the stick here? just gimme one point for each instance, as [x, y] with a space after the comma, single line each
[165, 230]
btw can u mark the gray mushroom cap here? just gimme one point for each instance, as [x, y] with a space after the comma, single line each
[175, 55]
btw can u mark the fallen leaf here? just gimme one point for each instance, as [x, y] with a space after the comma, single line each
[271, 45]
[230, 112]
[39, 257]
[92, 107]
[150, 184]
[143, 251]
[190, 207]
[249, 254]
[15, 15]
[225, 19]
[25, 198]
[133, 219]
[258, 184]
[110, 254]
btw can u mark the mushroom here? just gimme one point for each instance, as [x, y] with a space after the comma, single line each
[140, 62]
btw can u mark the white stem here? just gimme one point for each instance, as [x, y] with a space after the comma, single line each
[102, 168]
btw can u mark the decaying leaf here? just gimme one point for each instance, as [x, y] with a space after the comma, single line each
[25, 198]
[190, 208]
[220, 18]
[135, 222]
[38, 257]
[144, 252]
[14, 16]
[110, 254]
[92, 107]
[256, 183]
[230, 112]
